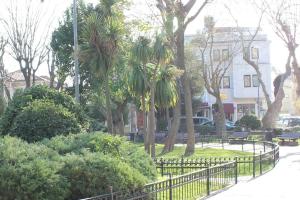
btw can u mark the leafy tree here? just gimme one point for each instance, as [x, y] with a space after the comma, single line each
[103, 30]
[153, 59]
[176, 17]
[24, 98]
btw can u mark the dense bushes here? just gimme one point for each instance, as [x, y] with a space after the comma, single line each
[30, 171]
[71, 167]
[21, 110]
[249, 122]
[109, 145]
[43, 119]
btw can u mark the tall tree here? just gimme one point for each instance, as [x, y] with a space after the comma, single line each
[102, 35]
[158, 59]
[214, 67]
[3, 43]
[26, 45]
[176, 17]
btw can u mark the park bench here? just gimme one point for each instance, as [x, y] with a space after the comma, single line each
[238, 137]
[289, 139]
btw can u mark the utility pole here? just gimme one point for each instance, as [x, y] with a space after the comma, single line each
[76, 63]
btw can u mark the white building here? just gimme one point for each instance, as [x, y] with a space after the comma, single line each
[240, 89]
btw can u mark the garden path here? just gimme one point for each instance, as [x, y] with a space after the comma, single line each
[281, 183]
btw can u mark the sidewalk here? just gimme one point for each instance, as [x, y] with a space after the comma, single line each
[281, 183]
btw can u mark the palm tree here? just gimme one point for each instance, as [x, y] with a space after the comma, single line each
[138, 87]
[101, 35]
[151, 59]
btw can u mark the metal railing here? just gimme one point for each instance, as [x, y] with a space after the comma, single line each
[188, 186]
[197, 178]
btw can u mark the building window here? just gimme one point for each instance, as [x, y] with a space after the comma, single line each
[225, 54]
[226, 82]
[246, 52]
[245, 109]
[216, 55]
[255, 81]
[247, 81]
[254, 53]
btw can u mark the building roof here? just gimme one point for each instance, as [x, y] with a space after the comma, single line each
[18, 76]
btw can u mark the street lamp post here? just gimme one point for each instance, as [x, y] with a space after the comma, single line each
[76, 63]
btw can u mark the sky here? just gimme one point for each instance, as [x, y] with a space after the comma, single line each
[241, 9]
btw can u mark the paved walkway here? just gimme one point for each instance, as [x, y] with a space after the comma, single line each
[281, 183]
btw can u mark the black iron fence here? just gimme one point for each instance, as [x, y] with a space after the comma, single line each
[188, 186]
[195, 178]
[265, 155]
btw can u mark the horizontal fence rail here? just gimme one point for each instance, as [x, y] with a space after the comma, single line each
[196, 178]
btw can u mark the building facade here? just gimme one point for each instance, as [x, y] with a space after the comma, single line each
[241, 92]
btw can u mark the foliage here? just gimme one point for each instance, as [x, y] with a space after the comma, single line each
[43, 119]
[116, 147]
[92, 174]
[30, 171]
[71, 167]
[23, 98]
[2, 105]
[249, 122]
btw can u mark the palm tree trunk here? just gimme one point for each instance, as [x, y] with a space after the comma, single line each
[151, 127]
[146, 139]
[108, 106]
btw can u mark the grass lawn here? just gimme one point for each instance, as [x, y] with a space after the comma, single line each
[199, 153]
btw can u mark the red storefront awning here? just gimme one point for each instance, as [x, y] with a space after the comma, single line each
[228, 108]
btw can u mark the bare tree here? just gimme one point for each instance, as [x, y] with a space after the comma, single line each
[27, 38]
[281, 28]
[176, 17]
[215, 66]
[51, 66]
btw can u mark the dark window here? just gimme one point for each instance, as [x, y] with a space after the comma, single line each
[226, 82]
[255, 81]
[247, 81]
[254, 53]
[225, 54]
[216, 55]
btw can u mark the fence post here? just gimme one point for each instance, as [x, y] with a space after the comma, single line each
[162, 167]
[207, 181]
[235, 170]
[260, 164]
[274, 155]
[264, 147]
[111, 192]
[253, 163]
[242, 145]
[170, 187]
[181, 164]
[253, 147]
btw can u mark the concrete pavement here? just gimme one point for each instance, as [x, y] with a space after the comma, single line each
[281, 183]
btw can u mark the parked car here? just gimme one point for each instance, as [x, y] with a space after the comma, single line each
[287, 122]
[229, 125]
[198, 121]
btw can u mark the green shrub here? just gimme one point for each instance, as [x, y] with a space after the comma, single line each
[92, 174]
[34, 171]
[109, 145]
[250, 122]
[30, 171]
[23, 98]
[43, 119]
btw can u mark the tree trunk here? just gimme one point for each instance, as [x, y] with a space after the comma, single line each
[119, 119]
[219, 118]
[268, 121]
[172, 132]
[180, 62]
[108, 106]
[151, 127]
[146, 137]
[168, 118]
